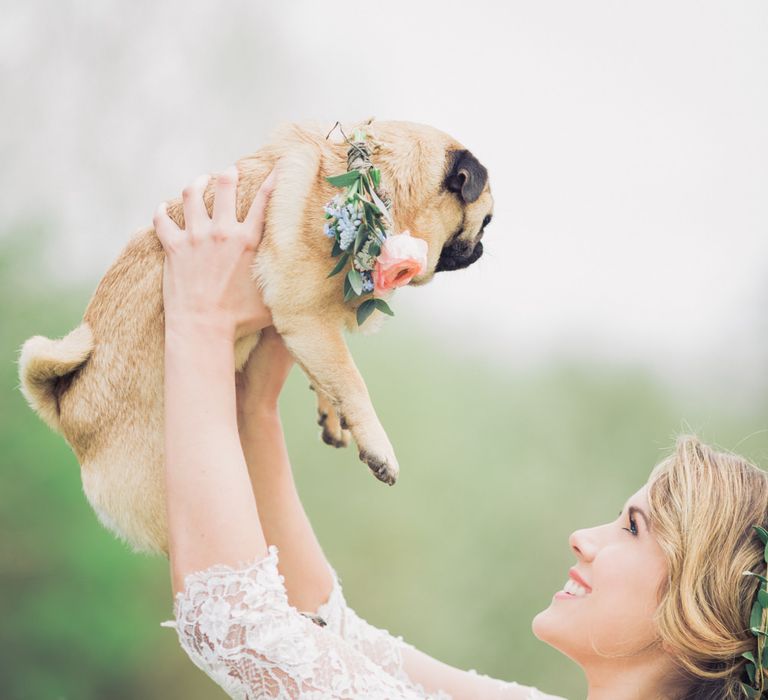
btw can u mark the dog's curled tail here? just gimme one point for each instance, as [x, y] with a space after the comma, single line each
[45, 366]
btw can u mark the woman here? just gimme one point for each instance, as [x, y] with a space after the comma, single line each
[656, 606]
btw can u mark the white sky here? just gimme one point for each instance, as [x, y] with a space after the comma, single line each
[626, 142]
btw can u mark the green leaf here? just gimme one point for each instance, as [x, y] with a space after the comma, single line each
[336, 249]
[751, 693]
[345, 179]
[365, 310]
[752, 573]
[369, 306]
[375, 176]
[373, 212]
[340, 265]
[382, 207]
[762, 597]
[349, 292]
[749, 656]
[765, 656]
[361, 237]
[750, 672]
[756, 618]
[370, 219]
[762, 533]
[382, 306]
[356, 281]
[375, 248]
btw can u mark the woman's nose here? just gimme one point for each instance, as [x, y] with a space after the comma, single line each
[584, 544]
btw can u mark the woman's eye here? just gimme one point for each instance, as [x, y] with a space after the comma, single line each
[632, 529]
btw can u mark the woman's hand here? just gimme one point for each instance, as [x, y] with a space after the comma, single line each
[207, 282]
[260, 382]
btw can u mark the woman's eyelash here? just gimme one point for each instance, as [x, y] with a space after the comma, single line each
[632, 529]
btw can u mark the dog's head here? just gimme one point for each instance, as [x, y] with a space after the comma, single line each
[467, 179]
[440, 193]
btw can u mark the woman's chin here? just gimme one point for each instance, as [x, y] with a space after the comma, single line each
[541, 626]
[549, 627]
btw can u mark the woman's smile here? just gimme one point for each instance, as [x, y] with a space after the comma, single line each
[575, 587]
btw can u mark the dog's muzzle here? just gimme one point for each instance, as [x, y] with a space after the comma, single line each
[458, 256]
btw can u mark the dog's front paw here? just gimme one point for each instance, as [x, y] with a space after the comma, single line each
[333, 433]
[384, 469]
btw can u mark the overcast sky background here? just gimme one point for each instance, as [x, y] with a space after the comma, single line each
[626, 143]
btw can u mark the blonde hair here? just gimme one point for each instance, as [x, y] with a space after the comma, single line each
[703, 504]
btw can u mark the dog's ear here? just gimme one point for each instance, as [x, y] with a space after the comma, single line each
[465, 175]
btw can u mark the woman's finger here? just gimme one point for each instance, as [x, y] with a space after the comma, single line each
[225, 199]
[165, 227]
[195, 213]
[254, 220]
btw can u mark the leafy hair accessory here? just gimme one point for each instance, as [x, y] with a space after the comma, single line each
[757, 663]
[358, 220]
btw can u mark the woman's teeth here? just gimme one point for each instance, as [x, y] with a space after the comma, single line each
[574, 588]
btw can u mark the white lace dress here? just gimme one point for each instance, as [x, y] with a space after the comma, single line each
[237, 626]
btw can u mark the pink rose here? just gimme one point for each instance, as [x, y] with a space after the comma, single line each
[401, 259]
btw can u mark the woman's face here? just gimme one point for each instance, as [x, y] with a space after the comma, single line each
[607, 604]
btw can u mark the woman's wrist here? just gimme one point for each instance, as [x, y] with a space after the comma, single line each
[257, 414]
[205, 327]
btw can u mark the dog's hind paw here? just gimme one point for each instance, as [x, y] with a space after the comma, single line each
[333, 433]
[383, 469]
[340, 440]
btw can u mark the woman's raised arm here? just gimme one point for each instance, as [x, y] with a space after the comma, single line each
[209, 300]
[308, 578]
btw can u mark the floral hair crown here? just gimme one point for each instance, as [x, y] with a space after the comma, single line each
[757, 662]
[359, 220]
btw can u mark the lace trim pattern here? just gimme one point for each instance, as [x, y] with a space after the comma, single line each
[236, 625]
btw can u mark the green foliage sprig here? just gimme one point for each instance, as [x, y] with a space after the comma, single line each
[756, 667]
[358, 221]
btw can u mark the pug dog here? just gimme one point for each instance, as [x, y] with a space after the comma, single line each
[101, 386]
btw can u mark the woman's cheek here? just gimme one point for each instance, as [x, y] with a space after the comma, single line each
[624, 607]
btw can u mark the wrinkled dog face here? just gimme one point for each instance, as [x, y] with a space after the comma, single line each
[467, 179]
[455, 214]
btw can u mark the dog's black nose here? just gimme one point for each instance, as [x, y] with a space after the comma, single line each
[458, 256]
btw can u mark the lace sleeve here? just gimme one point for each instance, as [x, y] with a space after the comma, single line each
[406, 663]
[237, 626]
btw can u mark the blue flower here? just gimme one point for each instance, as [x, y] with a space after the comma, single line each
[347, 225]
[346, 237]
[367, 281]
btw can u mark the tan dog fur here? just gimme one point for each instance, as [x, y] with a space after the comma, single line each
[101, 386]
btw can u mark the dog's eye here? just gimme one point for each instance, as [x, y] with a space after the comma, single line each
[486, 220]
